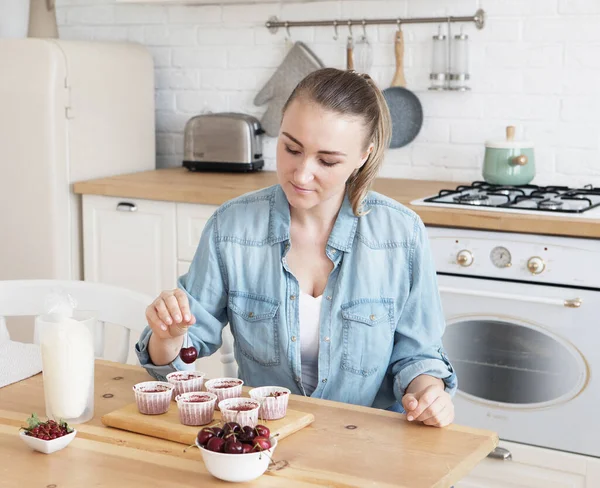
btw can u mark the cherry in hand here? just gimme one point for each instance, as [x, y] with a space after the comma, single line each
[188, 354]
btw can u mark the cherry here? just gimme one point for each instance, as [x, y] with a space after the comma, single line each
[48, 430]
[218, 432]
[232, 446]
[205, 435]
[188, 354]
[215, 444]
[261, 444]
[247, 434]
[231, 428]
[262, 431]
[246, 448]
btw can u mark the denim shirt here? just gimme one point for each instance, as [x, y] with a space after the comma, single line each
[381, 318]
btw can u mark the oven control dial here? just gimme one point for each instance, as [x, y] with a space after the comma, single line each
[500, 257]
[464, 258]
[536, 265]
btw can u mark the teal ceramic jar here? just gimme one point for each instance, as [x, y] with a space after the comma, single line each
[509, 162]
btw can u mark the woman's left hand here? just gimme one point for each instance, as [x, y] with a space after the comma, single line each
[431, 405]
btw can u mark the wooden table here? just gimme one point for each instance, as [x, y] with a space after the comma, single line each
[384, 450]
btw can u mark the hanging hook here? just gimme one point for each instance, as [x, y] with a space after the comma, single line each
[287, 30]
[399, 24]
[350, 29]
[364, 26]
[335, 30]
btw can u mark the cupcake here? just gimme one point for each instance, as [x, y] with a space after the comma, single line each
[224, 388]
[196, 408]
[186, 381]
[153, 397]
[273, 401]
[244, 411]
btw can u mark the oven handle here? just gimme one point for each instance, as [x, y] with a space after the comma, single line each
[569, 303]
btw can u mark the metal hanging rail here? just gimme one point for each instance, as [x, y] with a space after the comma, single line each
[273, 24]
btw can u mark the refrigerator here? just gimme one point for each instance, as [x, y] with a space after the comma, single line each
[69, 111]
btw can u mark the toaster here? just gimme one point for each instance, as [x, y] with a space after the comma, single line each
[223, 142]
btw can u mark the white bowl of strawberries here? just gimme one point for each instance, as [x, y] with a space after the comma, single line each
[48, 436]
[236, 453]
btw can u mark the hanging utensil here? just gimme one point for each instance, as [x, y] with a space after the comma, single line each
[405, 108]
[399, 79]
[350, 49]
[363, 53]
[350, 54]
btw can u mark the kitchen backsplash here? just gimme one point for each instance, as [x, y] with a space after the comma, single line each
[536, 65]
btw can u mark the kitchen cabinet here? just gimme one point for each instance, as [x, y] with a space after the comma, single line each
[130, 243]
[144, 245]
[534, 467]
[191, 219]
[183, 267]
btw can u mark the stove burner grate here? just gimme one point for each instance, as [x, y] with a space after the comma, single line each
[550, 204]
[472, 198]
[526, 197]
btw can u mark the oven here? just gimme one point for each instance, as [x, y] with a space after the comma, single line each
[523, 334]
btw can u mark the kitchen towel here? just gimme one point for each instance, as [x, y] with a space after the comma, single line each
[299, 62]
[18, 361]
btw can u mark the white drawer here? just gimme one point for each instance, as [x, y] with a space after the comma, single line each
[191, 219]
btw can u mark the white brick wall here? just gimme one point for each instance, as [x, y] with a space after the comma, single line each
[536, 65]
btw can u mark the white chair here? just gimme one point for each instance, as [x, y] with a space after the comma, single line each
[123, 309]
[120, 310]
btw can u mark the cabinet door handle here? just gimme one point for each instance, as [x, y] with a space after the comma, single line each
[126, 207]
[501, 454]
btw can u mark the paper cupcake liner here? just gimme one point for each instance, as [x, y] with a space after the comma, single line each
[224, 393]
[155, 403]
[245, 417]
[193, 383]
[271, 408]
[196, 413]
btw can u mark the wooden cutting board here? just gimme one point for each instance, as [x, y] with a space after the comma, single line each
[167, 426]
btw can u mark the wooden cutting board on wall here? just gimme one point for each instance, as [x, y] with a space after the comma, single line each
[167, 426]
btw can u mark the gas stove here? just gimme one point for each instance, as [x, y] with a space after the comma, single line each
[576, 202]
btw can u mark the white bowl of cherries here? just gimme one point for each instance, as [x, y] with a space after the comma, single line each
[47, 437]
[236, 453]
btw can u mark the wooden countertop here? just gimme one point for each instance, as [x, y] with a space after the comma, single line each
[180, 185]
[385, 450]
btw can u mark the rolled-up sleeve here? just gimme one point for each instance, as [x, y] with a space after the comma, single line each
[418, 345]
[206, 289]
[157, 372]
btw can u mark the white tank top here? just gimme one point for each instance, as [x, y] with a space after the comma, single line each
[310, 310]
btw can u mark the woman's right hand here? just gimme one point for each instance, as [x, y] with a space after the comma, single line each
[169, 315]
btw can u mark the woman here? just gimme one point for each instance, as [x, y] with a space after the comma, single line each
[330, 289]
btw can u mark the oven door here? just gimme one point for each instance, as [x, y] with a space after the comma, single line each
[524, 356]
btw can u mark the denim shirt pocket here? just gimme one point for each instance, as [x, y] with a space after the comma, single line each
[254, 326]
[368, 328]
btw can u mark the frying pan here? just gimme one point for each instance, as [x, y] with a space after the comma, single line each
[405, 108]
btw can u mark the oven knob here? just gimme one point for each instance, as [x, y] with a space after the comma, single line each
[464, 258]
[536, 265]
